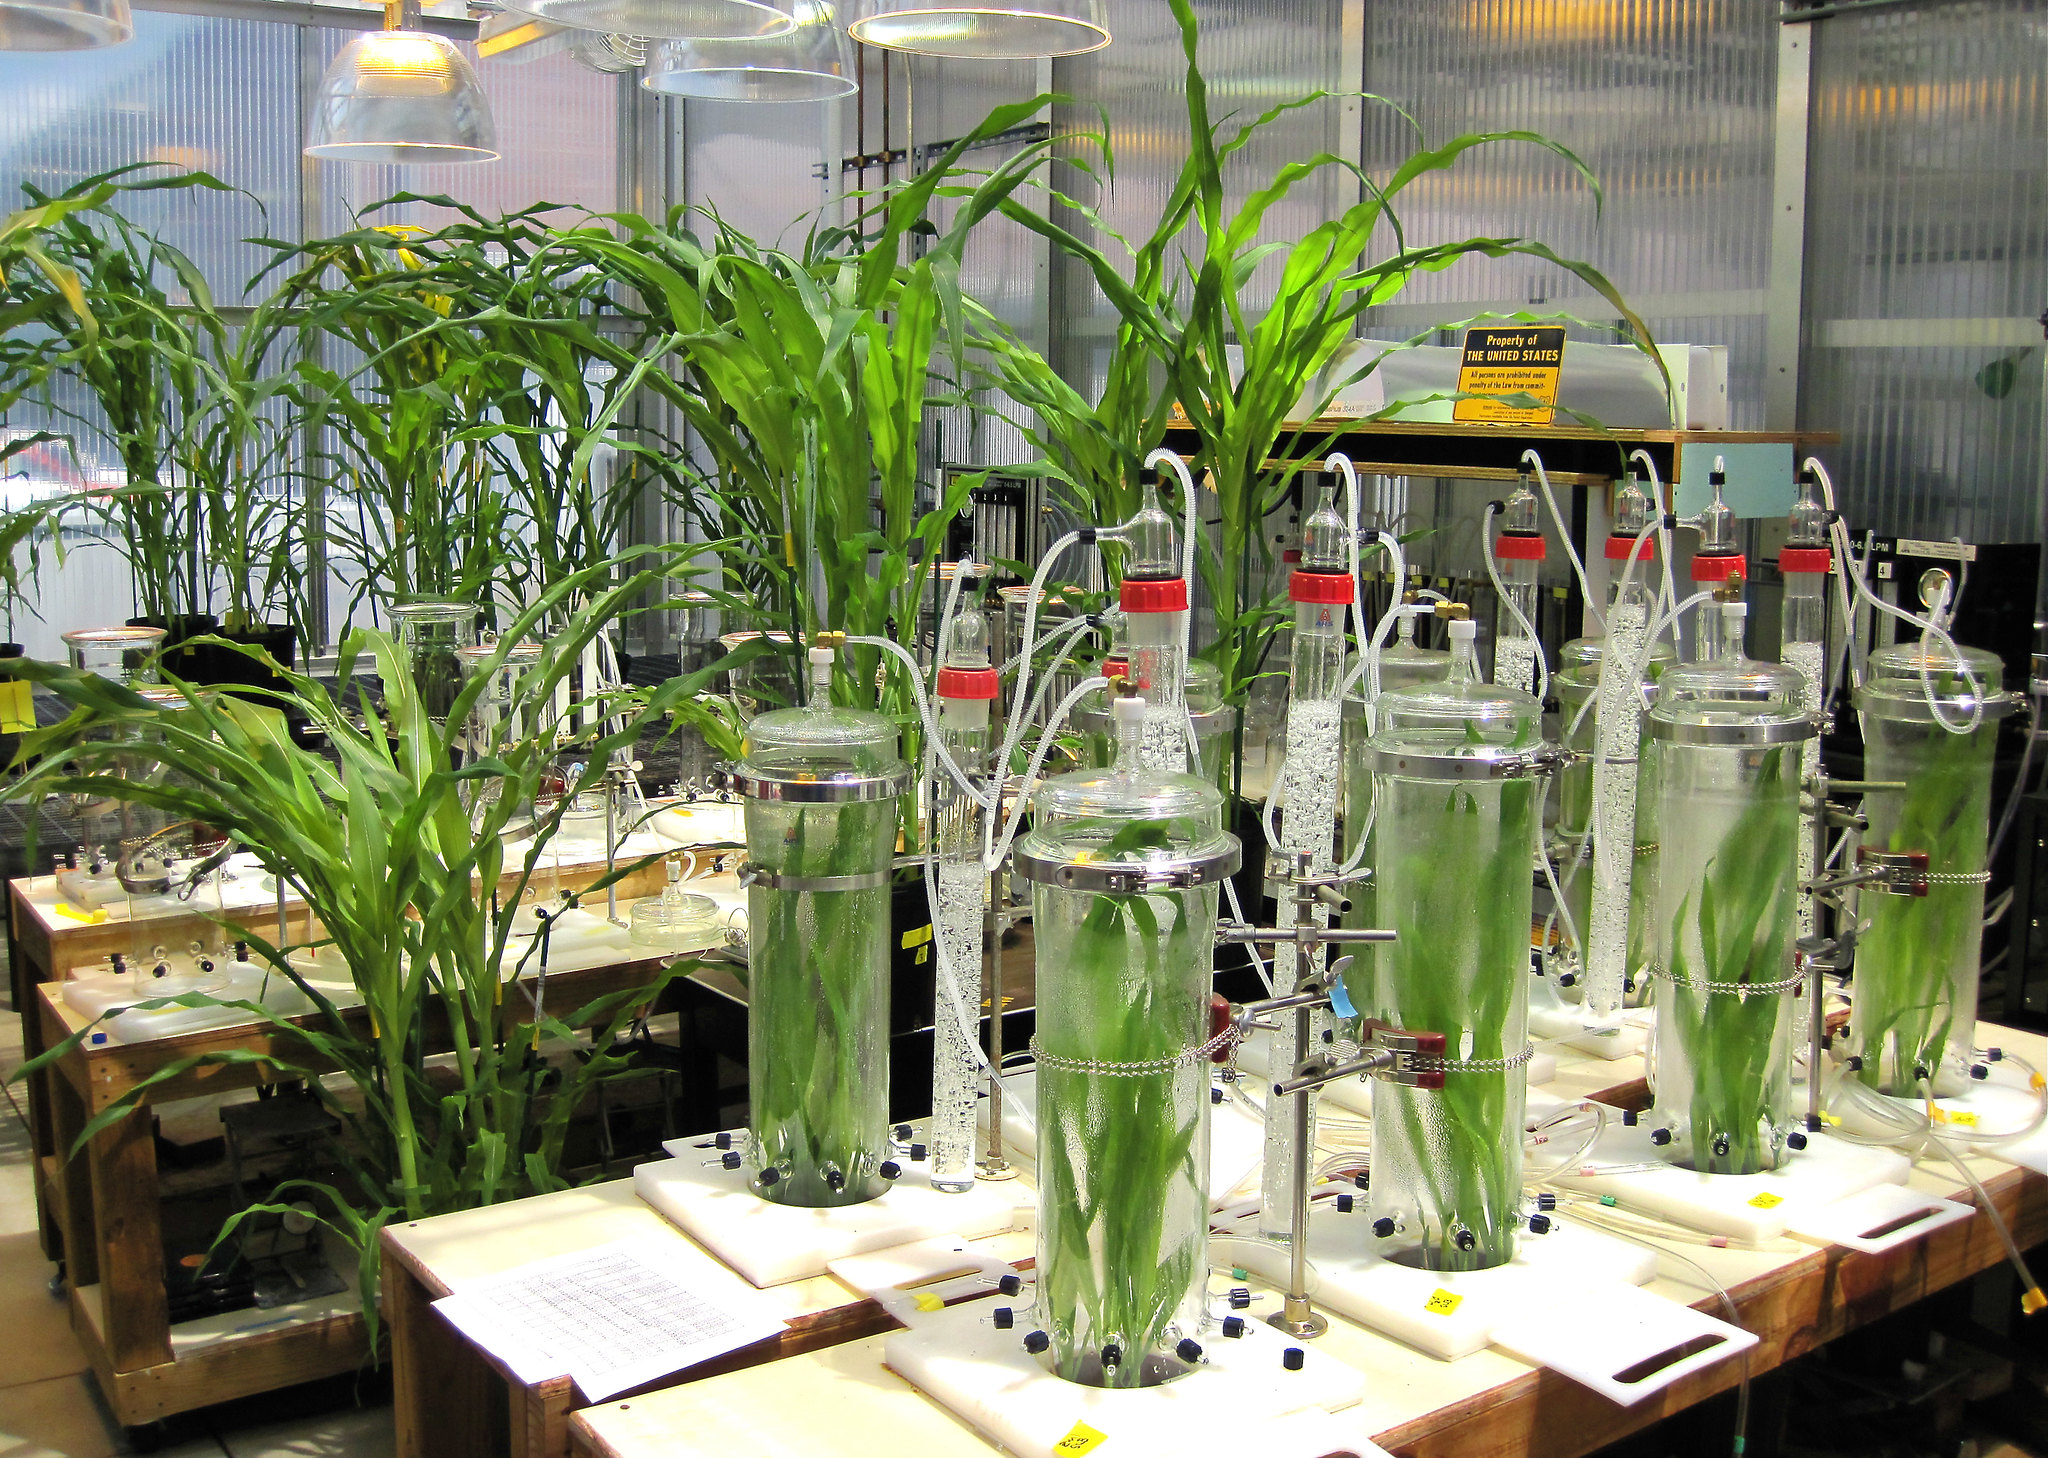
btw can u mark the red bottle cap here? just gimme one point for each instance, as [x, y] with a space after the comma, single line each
[1619, 547]
[1520, 549]
[1326, 587]
[1806, 559]
[1720, 567]
[967, 683]
[1168, 595]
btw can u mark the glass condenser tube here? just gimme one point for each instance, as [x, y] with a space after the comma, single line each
[1154, 600]
[967, 694]
[1805, 562]
[1520, 551]
[1618, 726]
[1454, 828]
[1722, 808]
[1321, 592]
[821, 786]
[1124, 867]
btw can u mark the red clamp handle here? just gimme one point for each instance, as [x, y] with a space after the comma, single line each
[1720, 567]
[1219, 1023]
[1320, 587]
[968, 683]
[1155, 595]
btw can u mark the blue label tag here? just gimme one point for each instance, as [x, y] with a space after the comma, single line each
[1340, 999]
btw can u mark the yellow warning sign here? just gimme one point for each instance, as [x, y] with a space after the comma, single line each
[1510, 360]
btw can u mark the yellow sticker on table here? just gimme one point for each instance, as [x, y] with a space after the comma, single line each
[1962, 1118]
[17, 707]
[1442, 1302]
[1767, 1200]
[1080, 1439]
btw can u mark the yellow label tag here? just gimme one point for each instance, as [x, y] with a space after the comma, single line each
[1766, 1201]
[928, 1301]
[1080, 1438]
[1513, 360]
[17, 707]
[1442, 1302]
[1962, 1118]
[917, 937]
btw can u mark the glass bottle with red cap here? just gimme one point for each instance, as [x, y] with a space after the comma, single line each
[1520, 551]
[1806, 562]
[1154, 600]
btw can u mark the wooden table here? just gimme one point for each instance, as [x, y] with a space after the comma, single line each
[104, 1208]
[846, 1401]
[455, 1400]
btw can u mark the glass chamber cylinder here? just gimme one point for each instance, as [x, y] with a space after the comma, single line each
[121, 654]
[821, 787]
[1718, 798]
[432, 632]
[1455, 806]
[766, 683]
[1915, 1005]
[1125, 870]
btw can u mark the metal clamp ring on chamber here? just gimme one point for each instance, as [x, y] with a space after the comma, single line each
[1734, 736]
[1733, 989]
[1105, 1068]
[1122, 878]
[1915, 710]
[1428, 1064]
[800, 788]
[1547, 760]
[753, 875]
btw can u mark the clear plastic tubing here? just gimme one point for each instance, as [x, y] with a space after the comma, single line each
[967, 694]
[1322, 591]
[1806, 561]
[1617, 728]
[1520, 551]
[1154, 600]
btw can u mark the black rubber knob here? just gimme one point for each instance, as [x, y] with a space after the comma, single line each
[901, 1131]
[1010, 1285]
[1465, 1240]
[1003, 1317]
[1853, 1063]
[1979, 1071]
[1240, 1298]
[1795, 1140]
[890, 1169]
[1344, 1203]
[1233, 1327]
[835, 1180]
[1188, 1350]
[1383, 1227]
[918, 1153]
[1546, 1202]
[1539, 1225]
[1112, 1355]
[1363, 1181]
[1567, 979]
[730, 1159]
[771, 1175]
[1292, 1358]
[1215, 1094]
[1993, 1055]
[1721, 1145]
[1036, 1342]
[723, 1141]
[1660, 1137]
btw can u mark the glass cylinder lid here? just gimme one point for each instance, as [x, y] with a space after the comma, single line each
[822, 746]
[1108, 818]
[1459, 719]
[1914, 680]
[1729, 690]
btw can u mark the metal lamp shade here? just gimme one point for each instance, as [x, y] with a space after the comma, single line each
[1001, 30]
[667, 19]
[812, 62]
[63, 25]
[402, 96]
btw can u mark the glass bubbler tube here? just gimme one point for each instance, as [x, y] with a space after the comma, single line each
[1154, 600]
[1721, 805]
[967, 693]
[1805, 563]
[1520, 550]
[1455, 806]
[821, 786]
[1915, 1010]
[1125, 866]
[1321, 591]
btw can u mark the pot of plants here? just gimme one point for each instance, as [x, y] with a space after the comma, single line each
[187, 662]
[230, 669]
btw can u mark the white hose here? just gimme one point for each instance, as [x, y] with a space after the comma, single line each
[924, 712]
[1658, 519]
[1564, 533]
[1001, 850]
[1164, 457]
[1930, 626]
[1014, 730]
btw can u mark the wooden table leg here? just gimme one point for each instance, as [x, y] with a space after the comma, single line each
[131, 1241]
[450, 1402]
[73, 1236]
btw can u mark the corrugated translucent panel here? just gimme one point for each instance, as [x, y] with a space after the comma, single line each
[558, 133]
[1929, 202]
[766, 168]
[191, 92]
[1253, 58]
[1668, 102]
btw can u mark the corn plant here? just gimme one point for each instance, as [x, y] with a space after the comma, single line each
[399, 859]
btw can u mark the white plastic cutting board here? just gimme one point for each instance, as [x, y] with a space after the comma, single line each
[772, 1244]
[1623, 1343]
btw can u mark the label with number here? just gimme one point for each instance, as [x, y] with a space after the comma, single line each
[1442, 1302]
[1962, 1118]
[1080, 1439]
[1767, 1200]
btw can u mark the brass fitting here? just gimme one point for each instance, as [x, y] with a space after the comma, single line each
[833, 639]
[1730, 590]
[1453, 612]
[1121, 687]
